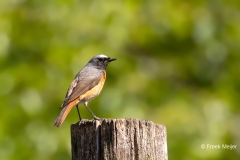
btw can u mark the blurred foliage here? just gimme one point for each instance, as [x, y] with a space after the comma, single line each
[178, 65]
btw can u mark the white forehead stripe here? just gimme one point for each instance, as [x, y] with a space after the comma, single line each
[102, 56]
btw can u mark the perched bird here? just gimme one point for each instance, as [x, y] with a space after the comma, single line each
[87, 84]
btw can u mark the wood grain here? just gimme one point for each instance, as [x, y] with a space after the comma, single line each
[119, 139]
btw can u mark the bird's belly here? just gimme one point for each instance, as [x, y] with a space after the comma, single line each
[92, 93]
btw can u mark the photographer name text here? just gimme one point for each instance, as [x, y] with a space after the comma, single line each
[218, 146]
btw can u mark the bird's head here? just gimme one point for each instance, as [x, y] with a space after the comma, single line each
[101, 61]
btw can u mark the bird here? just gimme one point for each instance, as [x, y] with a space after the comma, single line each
[87, 84]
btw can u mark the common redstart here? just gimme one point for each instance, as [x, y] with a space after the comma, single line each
[87, 84]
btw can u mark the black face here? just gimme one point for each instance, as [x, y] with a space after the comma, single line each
[101, 62]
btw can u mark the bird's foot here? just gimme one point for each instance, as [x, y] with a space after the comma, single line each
[80, 122]
[97, 118]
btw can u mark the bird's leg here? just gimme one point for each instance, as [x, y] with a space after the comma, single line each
[80, 118]
[95, 117]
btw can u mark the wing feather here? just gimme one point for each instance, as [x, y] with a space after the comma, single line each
[80, 85]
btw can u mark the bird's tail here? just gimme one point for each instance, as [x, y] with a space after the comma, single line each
[60, 119]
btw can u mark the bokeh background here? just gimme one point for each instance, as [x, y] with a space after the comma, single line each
[178, 65]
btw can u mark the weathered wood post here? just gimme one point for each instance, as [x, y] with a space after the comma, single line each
[118, 139]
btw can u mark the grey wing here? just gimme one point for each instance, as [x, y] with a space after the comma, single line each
[80, 86]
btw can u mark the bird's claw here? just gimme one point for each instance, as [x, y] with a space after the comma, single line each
[97, 118]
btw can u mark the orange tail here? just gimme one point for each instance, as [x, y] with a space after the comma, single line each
[60, 119]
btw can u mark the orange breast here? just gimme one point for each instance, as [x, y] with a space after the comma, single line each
[89, 95]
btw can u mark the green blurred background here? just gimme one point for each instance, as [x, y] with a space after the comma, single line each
[178, 65]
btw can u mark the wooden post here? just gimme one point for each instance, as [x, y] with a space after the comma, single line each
[118, 139]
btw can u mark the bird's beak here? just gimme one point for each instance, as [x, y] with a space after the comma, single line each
[112, 59]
